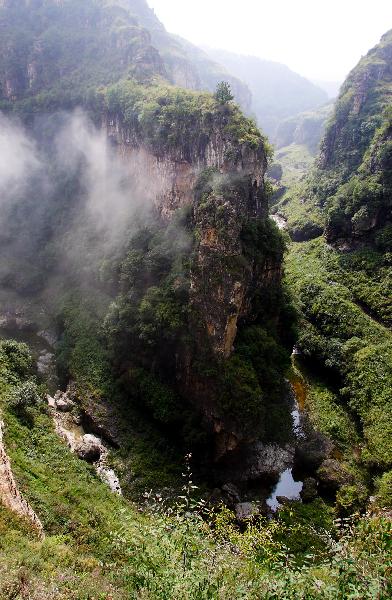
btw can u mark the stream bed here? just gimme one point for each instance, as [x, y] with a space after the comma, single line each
[287, 486]
[282, 484]
[67, 422]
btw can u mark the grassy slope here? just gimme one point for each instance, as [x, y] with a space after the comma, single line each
[101, 546]
[349, 349]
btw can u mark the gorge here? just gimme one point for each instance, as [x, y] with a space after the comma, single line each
[151, 309]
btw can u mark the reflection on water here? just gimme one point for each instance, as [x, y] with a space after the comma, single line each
[286, 487]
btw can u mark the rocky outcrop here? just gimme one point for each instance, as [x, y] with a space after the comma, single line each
[361, 99]
[29, 64]
[351, 184]
[86, 446]
[89, 448]
[217, 170]
[254, 461]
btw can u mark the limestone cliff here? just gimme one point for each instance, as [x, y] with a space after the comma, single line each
[355, 157]
[216, 169]
[194, 331]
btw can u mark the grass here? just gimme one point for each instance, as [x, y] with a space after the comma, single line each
[99, 545]
[350, 347]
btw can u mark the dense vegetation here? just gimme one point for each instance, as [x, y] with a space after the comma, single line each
[98, 545]
[344, 298]
[137, 302]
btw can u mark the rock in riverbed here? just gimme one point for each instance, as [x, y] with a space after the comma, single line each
[245, 510]
[89, 448]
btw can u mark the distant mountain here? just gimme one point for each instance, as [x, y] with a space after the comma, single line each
[306, 129]
[186, 65]
[278, 92]
[331, 87]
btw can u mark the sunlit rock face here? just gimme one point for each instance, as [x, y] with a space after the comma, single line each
[355, 158]
[222, 280]
[179, 149]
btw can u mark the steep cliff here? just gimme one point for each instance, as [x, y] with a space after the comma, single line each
[188, 256]
[223, 264]
[355, 157]
[341, 274]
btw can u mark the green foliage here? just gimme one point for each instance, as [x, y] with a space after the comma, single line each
[223, 93]
[329, 416]
[25, 395]
[160, 399]
[261, 241]
[15, 361]
[240, 393]
[351, 498]
[81, 352]
[97, 544]
[384, 490]
[150, 314]
[353, 350]
[170, 119]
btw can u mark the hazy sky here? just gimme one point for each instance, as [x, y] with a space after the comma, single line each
[320, 39]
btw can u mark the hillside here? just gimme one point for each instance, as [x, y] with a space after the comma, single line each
[159, 438]
[342, 279]
[46, 46]
[306, 129]
[186, 65]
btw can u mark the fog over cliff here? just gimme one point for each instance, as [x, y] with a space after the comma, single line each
[64, 187]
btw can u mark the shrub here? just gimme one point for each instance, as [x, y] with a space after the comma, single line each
[26, 395]
[384, 490]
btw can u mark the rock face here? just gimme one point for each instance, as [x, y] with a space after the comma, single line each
[63, 401]
[254, 461]
[182, 150]
[309, 490]
[221, 179]
[355, 159]
[90, 448]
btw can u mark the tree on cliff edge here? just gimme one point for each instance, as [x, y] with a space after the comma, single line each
[223, 93]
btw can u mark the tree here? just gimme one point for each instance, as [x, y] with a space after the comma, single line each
[223, 93]
[26, 395]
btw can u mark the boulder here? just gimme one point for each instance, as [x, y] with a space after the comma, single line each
[333, 475]
[63, 405]
[312, 451]
[63, 401]
[245, 511]
[309, 489]
[89, 448]
[231, 493]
